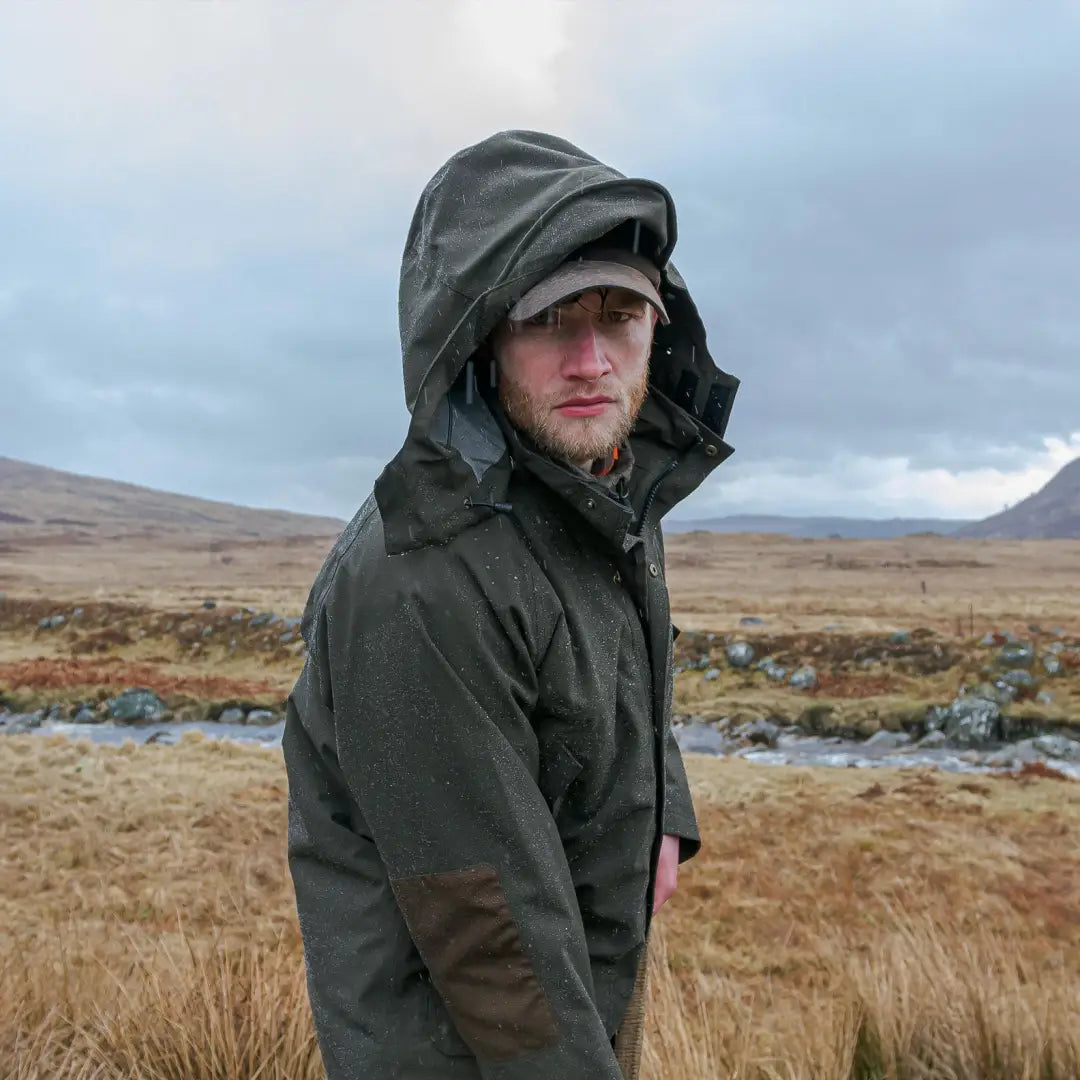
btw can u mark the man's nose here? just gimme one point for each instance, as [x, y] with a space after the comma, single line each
[584, 355]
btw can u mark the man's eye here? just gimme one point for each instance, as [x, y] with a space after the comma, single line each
[547, 317]
[620, 316]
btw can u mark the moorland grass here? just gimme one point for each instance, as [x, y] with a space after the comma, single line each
[837, 924]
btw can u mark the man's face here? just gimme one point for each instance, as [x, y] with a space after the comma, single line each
[574, 377]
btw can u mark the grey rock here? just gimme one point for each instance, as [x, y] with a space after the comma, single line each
[286, 637]
[231, 716]
[1019, 678]
[77, 614]
[1051, 665]
[207, 631]
[259, 620]
[934, 740]
[238, 617]
[751, 620]
[299, 647]
[20, 723]
[274, 619]
[760, 732]
[973, 722]
[262, 717]
[1044, 698]
[292, 622]
[1057, 746]
[740, 654]
[888, 740]
[773, 670]
[711, 674]
[51, 622]
[900, 637]
[700, 738]
[1017, 655]
[85, 715]
[936, 716]
[136, 704]
[53, 713]
[1056, 647]
[209, 604]
[804, 679]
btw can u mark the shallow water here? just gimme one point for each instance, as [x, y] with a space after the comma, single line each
[114, 734]
[695, 738]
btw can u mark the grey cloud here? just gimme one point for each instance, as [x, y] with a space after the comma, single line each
[879, 219]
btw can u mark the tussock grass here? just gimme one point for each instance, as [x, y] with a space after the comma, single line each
[927, 932]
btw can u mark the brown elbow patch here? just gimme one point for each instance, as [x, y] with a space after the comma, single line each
[461, 923]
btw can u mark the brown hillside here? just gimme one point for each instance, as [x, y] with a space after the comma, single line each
[46, 506]
[1052, 513]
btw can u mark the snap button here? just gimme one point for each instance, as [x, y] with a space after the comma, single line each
[710, 450]
[654, 570]
[617, 577]
[590, 504]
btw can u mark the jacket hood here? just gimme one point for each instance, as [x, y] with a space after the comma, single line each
[494, 220]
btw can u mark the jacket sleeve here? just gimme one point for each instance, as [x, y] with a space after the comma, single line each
[679, 817]
[433, 688]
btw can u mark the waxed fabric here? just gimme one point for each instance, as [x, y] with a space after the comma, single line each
[480, 759]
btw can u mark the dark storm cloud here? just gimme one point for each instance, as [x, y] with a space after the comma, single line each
[879, 219]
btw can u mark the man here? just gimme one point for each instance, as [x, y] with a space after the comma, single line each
[486, 802]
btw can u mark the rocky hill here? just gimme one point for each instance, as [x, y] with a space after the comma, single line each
[1052, 513]
[38, 500]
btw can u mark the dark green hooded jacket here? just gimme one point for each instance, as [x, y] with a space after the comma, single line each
[480, 759]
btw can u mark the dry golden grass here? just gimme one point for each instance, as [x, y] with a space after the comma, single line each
[837, 924]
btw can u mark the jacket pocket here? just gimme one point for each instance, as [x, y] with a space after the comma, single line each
[559, 768]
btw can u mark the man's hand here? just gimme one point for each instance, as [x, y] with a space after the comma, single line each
[667, 868]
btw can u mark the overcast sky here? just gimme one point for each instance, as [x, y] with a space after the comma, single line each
[203, 207]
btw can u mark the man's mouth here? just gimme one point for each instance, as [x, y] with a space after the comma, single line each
[585, 406]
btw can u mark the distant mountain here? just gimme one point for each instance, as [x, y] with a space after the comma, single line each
[38, 500]
[1052, 513]
[821, 527]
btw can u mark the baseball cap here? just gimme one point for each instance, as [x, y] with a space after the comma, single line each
[594, 268]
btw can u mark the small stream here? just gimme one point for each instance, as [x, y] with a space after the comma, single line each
[790, 749]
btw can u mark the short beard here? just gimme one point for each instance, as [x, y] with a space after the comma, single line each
[589, 438]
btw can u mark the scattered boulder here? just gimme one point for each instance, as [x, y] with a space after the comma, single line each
[286, 637]
[1044, 698]
[262, 717]
[292, 622]
[1057, 746]
[85, 715]
[1016, 655]
[740, 654]
[934, 740]
[260, 620]
[207, 631]
[973, 722]
[712, 674]
[52, 622]
[77, 614]
[232, 715]
[751, 620]
[900, 637]
[888, 740]
[135, 704]
[700, 738]
[209, 604]
[760, 732]
[1051, 664]
[804, 679]
[20, 723]
[1019, 678]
